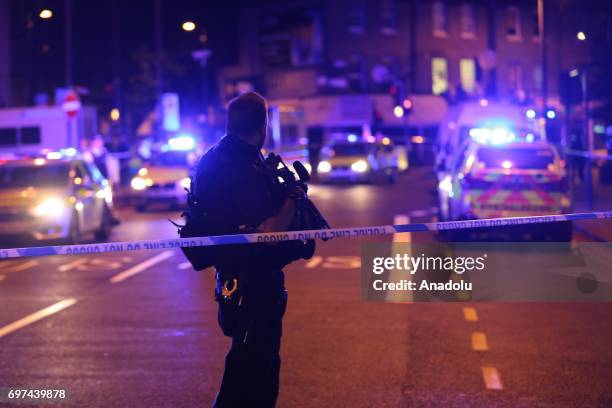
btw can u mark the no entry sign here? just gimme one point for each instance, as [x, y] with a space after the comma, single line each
[71, 104]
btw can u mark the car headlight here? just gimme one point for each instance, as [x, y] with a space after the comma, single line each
[51, 207]
[359, 166]
[186, 182]
[138, 183]
[446, 184]
[324, 167]
[106, 193]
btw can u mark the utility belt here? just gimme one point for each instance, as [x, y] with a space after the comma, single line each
[239, 305]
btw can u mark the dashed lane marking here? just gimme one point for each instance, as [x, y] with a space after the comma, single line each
[143, 266]
[395, 275]
[36, 316]
[72, 265]
[479, 341]
[492, 379]
[184, 265]
[470, 314]
[314, 262]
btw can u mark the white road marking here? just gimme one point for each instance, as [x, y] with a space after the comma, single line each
[419, 213]
[184, 265]
[479, 341]
[314, 261]
[342, 262]
[136, 269]
[396, 275]
[22, 267]
[470, 314]
[36, 316]
[402, 236]
[492, 379]
[71, 265]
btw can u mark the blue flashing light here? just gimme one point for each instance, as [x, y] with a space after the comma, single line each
[352, 138]
[495, 136]
[551, 114]
[531, 114]
[181, 142]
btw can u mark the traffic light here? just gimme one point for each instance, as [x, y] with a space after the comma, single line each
[407, 105]
[402, 104]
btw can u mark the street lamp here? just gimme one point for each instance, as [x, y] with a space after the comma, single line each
[188, 26]
[581, 36]
[398, 111]
[45, 14]
[115, 114]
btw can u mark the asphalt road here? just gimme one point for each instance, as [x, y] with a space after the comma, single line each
[139, 329]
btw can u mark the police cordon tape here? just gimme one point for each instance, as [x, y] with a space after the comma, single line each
[586, 154]
[157, 244]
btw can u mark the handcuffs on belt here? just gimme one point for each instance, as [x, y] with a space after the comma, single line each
[227, 293]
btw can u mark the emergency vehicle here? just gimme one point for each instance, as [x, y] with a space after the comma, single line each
[356, 159]
[500, 172]
[56, 195]
[28, 130]
[165, 177]
[484, 113]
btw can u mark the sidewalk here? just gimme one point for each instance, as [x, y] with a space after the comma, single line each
[602, 201]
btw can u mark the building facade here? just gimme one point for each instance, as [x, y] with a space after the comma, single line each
[5, 74]
[343, 62]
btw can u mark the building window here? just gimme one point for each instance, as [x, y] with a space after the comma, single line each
[467, 74]
[387, 15]
[513, 24]
[537, 77]
[468, 22]
[439, 75]
[30, 135]
[439, 13]
[8, 137]
[535, 25]
[515, 77]
[356, 16]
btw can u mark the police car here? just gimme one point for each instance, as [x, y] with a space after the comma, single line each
[53, 196]
[360, 160]
[164, 178]
[500, 172]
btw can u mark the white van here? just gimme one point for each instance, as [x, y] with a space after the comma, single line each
[463, 117]
[28, 130]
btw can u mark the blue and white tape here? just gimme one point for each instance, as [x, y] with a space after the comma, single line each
[586, 154]
[157, 244]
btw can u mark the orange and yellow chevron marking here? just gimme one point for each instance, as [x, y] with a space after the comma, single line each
[533, 197]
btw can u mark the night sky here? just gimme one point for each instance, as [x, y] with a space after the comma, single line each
[39, 51]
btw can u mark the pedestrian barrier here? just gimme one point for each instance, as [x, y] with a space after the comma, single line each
[291, 235]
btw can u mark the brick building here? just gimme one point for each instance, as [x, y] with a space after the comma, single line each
[332, 63]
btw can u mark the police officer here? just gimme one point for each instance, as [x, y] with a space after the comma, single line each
[234, 188]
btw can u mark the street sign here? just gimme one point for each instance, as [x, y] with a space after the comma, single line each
[170, 112]
[71, 104]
